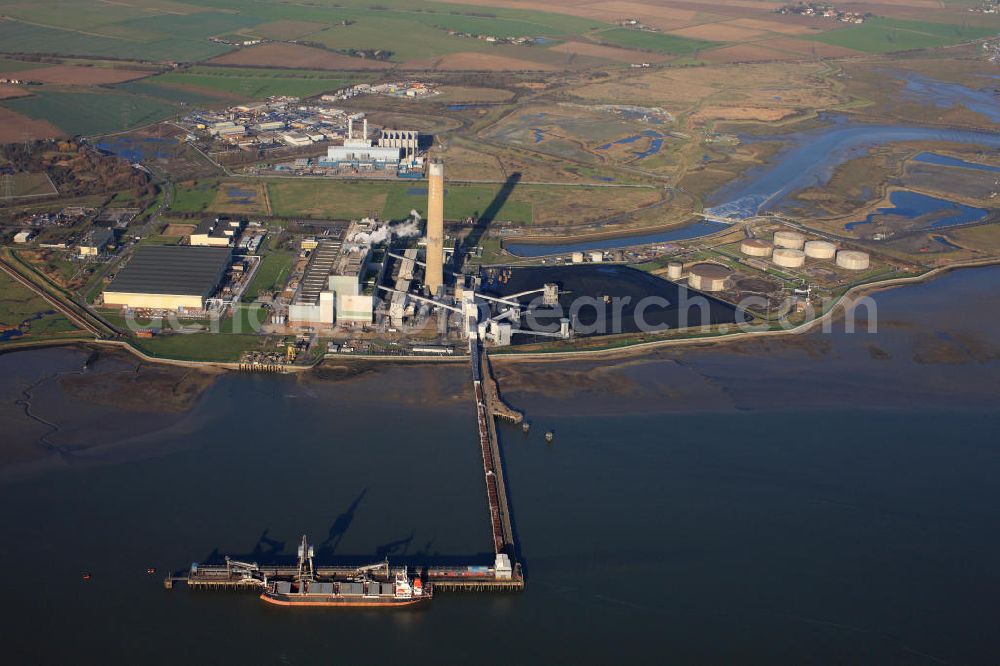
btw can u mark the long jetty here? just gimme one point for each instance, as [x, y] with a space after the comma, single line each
[496, 493]
[504, 575]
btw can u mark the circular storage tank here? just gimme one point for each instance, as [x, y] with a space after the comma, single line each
[674, 270]
[578, 257]
[790, 239]
[788, 258]
[709, 277]
[853, 260]
[754, 247]
[820, 250]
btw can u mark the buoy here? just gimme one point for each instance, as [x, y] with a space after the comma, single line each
[525, 427]
[549, 436]
[86, 576]
[151, 570]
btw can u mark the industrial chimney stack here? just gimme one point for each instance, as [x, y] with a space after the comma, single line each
[434, 277]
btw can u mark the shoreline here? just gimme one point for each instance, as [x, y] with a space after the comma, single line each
[624, 351]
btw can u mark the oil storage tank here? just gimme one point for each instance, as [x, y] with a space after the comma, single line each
[709, 277]
[817, 249]
[853, 260]
[788, 258]
[755, 247]
[793, 240]
[675, 270]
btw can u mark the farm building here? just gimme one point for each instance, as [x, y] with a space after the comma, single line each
[169, 277]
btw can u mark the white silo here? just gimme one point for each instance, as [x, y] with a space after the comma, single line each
[790, 239]
[853, 260]
[788, 258]
[817, 249]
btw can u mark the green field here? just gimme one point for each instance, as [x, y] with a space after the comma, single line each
[390, 200]
[17, 37]
[25, 316]
[29, 185]
[198, 346]
[9, 65]
[882, 35]
[652, 41]
[87, 113]
[180, 32]
[255, 83]
[271, 274]
[326, 198]
[169, 93]
[194, 198]
[460, 201]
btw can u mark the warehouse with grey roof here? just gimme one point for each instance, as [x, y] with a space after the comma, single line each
[169, 277]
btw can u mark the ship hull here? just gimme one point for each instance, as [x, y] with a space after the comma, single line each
[325, 601]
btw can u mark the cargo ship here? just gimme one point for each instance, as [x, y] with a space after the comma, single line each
[361, 592]
[363, 588]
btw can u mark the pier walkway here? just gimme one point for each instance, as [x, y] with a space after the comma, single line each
[496, 493]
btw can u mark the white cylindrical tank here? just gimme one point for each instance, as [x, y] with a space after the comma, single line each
[578, 257]
[675, 270]
[755, 247]
[818, 249]
[790, 239]
[853, 260]
[597, 257]
[788, 258]
[709, 277]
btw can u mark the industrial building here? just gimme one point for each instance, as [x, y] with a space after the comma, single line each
[332, 289]
[216, 232]
[96, 241]
[169, 277]
[360, 153]
[406, 140]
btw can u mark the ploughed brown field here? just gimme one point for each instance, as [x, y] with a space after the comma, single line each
[608, 52]
[718, 32]
[748, 53]
[9, 92]
[77, 76]
[295, 56]
[15, 128]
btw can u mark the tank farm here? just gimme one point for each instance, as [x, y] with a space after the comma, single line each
[371, 584]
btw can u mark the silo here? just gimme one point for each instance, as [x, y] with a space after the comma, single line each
[790, 239]
[675, 270]
[817, 249]
[755, 247]
[853, 260]
[788, 258]
[709, 277]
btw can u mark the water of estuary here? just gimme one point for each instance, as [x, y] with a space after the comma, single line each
[825, 499]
